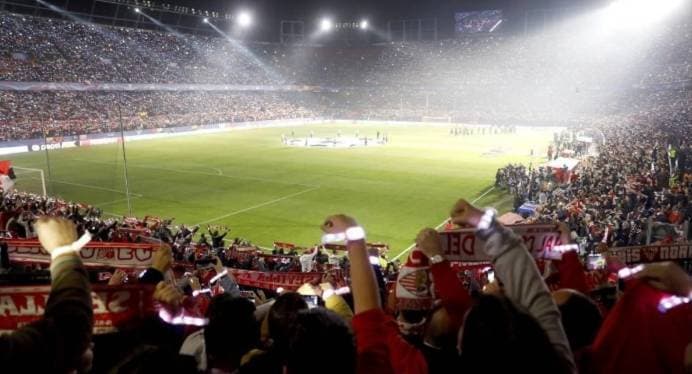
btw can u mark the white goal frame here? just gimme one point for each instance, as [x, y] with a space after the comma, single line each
[41, 172]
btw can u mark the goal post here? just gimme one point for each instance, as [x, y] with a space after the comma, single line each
[30, 180]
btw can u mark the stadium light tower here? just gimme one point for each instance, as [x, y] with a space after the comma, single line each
[325, 24]
[364, 24]
[244, 19]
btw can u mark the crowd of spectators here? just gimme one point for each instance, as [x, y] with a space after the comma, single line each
[537, 78]
[419, 327]
[35, 49]
[640, 178]
[192, 245]
[38, 49]
[26, 115]
[429, 319]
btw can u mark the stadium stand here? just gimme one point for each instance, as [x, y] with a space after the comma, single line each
[199, 303]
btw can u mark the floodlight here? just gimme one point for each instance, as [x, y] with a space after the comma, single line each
[325, 24]
[364, 24]
[244, 19]
[137, 10]
[205, 20]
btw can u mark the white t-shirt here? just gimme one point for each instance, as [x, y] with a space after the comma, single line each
[194, 346]
[6, 183]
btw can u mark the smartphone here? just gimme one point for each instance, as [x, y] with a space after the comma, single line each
[595, 262]
[312, 300]
[491, 276]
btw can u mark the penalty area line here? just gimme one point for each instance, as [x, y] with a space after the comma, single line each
[443, 223]
[257, 206]
[217, 172]
[93, 187]
[115, 201]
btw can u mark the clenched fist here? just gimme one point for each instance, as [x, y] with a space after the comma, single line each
[428, 241]
[169, 297]
[163, 259]
[464, 214]
[54, 232]
[338, 223]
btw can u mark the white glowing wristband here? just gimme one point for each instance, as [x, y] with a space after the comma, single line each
[196, 293]
[218, 276]
[339, 291]
[486, 219]
[355, 233]
[670, 302]
[351, 234]
[74, 247]
[333, 238]
[182, 319]
[628, 272]
[565, 248]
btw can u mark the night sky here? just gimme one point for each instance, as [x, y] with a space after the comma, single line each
[269, 13]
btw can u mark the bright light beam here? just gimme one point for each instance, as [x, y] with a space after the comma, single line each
[245, 52]
[103, 30]
[161, 25]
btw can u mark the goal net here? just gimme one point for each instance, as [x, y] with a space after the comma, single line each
[30, 180]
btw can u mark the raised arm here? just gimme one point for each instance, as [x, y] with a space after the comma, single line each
[57, 342]
[363, 282]
[516, 269]
[448, 287]
[380, 347]
[226, 279]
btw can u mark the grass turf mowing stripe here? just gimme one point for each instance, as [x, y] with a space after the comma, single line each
[257, 206]
[442, 223]
[218, 173]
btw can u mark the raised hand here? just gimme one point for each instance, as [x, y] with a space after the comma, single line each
[428, 241]
[667, 276]
[169, 296]
[465, 214]
[118, 278]
[163, 259]
[338, 223]
[54, 232]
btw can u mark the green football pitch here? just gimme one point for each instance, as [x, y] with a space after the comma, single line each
[265, 191]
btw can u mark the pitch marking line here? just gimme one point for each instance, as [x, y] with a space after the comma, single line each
[257, 206]
[114, 201]
[218, 173]
[443, 223]
[93, 187]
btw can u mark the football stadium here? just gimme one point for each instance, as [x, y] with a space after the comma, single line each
[345, 187]
[266, 191]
